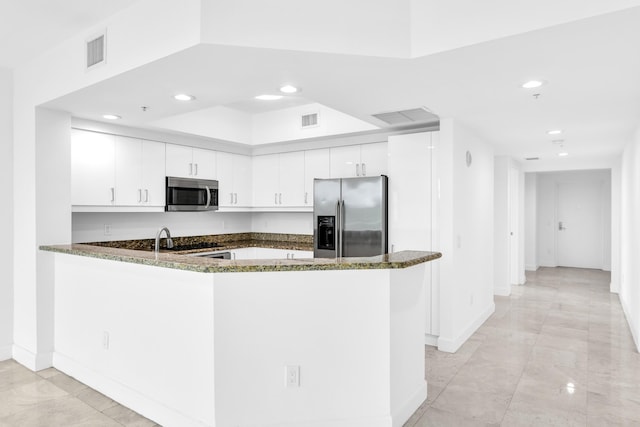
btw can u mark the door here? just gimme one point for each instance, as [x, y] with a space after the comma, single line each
[128, 171]
[344, 161]
[580, 227]
[513, 185]
[92, 168]
[241, 180]
[265, 180]
[373, 159]
[179, 161]
[317, 164]
[204, 163]
[291, 179]
[326, 218]
[153, 173]
[363, 217]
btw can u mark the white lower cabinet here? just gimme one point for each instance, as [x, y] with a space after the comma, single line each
[271, 253]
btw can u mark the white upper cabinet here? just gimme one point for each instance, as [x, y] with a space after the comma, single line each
[190, 162]
[359, 160]
[234, 179]
[278, 180]
[113, 171]
[92, 168]
[140, 175]
[317, 164]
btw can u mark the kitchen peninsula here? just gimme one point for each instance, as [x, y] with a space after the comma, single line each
[193, 341]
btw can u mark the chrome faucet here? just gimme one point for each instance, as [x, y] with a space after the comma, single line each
[169, 240]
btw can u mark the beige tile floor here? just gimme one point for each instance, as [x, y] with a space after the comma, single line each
[50, 398]
[557, 352]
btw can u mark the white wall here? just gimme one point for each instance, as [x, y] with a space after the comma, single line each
[439, 25]
[630, 236]
[282, 222]
[328, 26]
[531, 224]
[285, 124]
[89, 227]
[6, 214]
[146, 31]
[465, 218]
[547, 189]
[216, 122]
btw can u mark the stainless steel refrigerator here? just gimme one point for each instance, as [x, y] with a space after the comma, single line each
[350, 217]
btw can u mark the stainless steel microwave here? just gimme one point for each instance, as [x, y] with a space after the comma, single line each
[189, 195]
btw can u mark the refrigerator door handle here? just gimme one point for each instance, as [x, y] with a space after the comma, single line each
[341, 230]
[337, 234]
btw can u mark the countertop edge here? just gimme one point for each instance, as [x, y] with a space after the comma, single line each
[395, 260]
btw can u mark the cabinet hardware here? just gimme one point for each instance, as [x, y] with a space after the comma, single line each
[280, 199]
[235, 198]
[146, 195]
[230, 198]
[113, 194]
[196, 169]
[139, 195]
[275, 198]
[305, 198]
[364, 169]
[357, 169]
[190, 168]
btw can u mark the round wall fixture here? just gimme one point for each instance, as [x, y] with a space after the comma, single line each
[468, 159]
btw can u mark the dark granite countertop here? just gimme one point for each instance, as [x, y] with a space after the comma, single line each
[180, 260]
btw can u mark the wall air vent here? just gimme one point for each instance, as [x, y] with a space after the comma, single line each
[309, 120]
[408, 117]
[96, 50]
[532, 158]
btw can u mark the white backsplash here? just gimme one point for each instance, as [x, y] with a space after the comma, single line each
[90, 227]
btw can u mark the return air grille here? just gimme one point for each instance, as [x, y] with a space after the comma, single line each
[405, 117]
[96, 50]
[309, 120]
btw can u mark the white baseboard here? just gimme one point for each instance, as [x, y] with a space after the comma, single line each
[404, 412]
[452, 345]
[635, 334]
[33, 361]
[503, 292]
[124, 395]
[431, 340]
[6, 352]
[531, 267]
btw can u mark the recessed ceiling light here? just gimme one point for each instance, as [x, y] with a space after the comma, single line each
[184, 97]
[532, 84]
[554, 132]
[111, 117]
[288, 89]
[563, 154]
[268, 97]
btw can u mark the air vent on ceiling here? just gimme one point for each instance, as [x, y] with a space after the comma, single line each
[532, 158]
[309, 120]
[96, 50]
[406, 117]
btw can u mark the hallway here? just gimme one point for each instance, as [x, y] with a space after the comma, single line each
[557, 352]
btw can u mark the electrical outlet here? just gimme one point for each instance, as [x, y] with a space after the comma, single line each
[292, 376]
[107, 229]
[105, 340]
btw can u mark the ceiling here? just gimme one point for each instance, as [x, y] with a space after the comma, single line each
[591, 67]
[31, 27]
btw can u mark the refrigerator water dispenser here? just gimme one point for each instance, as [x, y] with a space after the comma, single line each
[326, 232]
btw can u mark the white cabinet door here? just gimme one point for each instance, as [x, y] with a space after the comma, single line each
[344, 161]
[179, 161]
[265, 180]
[317, 164]
[153, 173]
[291, 179]
[243, 253]
[234, 179]
[373, 159]
[411, 219]
[92, 168]
[242, 173]
[128, 167]
[224, 168]
[204, 163]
